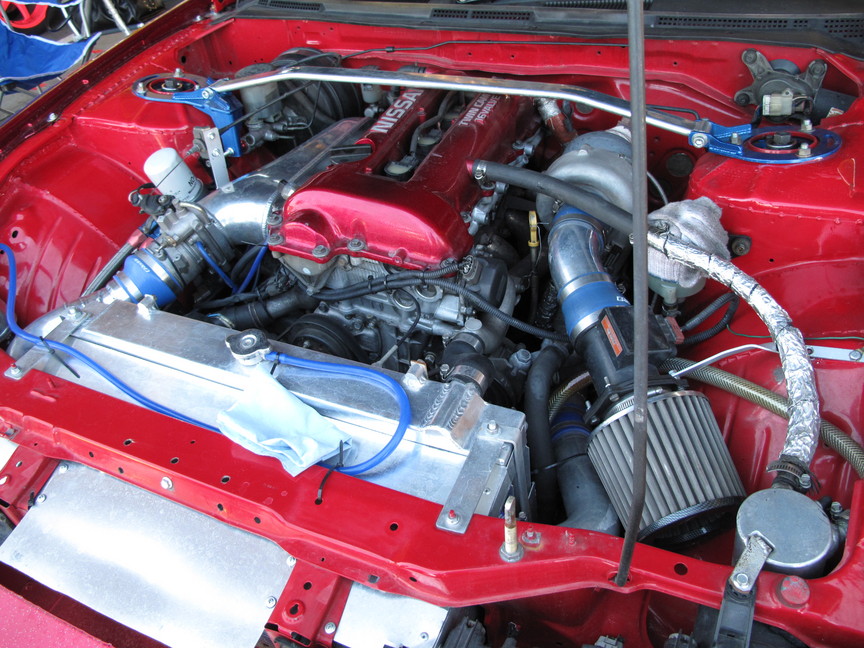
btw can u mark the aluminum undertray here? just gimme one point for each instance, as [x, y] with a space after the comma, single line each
[166, 571]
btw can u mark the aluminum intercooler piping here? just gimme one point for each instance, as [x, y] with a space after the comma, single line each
[803, 430]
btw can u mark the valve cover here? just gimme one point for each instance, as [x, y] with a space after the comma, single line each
[418, 222]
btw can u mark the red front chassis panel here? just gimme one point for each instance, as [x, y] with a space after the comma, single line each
[63, 230]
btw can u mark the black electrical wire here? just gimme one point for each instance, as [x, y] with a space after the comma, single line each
[552, 466]
[408, 333]
[376, 286]
[278, 99]
[493, 310]
[638, 125]
[379, 284]
[390, 49]
[415, 323]
[686, 111]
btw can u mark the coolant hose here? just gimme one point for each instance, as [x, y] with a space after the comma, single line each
[831, 435]
[366, 375]
[537, 388]
[590, 203]
[586, 500]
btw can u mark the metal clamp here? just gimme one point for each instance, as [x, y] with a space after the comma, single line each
[751, 562]
[735, 621]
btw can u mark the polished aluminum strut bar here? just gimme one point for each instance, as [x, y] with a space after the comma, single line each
[514, 87]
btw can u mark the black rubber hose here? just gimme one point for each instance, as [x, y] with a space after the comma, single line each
[708, 333]
[598, 207]
[708, 311]
[259, 314]
[537, 387]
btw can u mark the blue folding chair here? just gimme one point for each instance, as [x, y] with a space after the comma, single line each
[26, 62]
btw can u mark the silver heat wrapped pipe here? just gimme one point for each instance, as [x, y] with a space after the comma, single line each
[803, 430]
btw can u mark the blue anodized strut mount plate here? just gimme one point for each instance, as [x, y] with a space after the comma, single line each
[781, 144]
[194, 90]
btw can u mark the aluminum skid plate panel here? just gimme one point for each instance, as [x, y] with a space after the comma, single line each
[166, 571]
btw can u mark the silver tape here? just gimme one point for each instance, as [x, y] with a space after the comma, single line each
[803, 430]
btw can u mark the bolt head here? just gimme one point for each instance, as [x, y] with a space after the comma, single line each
[166, 483]
[793, 591]
[291, 561]
[41, 498]
[62, 468]
[699, 140]
[452, 518]
[206, 94]
[492, 427]
[15, 370]
[320, 251]
[53, 117]
[855, 355]
[329, 627]
[741, 579]
[271, 601]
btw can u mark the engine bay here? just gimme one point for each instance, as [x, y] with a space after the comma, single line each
[424, 239]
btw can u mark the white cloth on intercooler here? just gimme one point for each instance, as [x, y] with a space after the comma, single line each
[269, 420]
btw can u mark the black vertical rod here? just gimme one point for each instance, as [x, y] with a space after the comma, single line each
[636, 39]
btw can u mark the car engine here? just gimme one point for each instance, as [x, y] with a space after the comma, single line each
[415, 270]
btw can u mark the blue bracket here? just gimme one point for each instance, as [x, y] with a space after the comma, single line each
[758, 144]
[194, 90]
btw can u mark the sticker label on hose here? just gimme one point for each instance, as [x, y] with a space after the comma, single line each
[612, 336]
